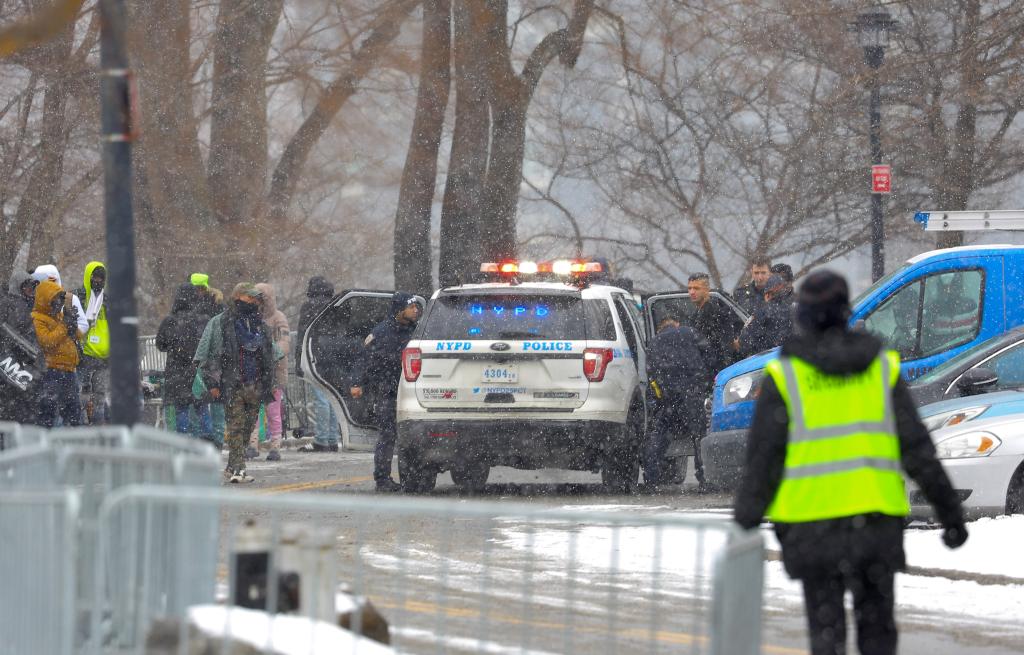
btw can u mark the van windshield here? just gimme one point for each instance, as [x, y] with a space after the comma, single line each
[882, 281]
[506, 316]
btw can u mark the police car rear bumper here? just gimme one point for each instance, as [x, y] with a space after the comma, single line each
[724, 454]
[520, 443]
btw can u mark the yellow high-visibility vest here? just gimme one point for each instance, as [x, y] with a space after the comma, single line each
[843, 453]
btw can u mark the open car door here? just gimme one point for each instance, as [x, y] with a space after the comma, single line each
[677, 304]
[332, 345]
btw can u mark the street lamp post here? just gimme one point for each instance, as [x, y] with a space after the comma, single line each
[115, 89]
[873, 31]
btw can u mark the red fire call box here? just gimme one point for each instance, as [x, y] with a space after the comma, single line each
[881, 179]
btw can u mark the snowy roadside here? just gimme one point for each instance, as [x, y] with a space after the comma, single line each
[933, 588]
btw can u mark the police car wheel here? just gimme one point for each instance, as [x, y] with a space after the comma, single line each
[621, 470]
[470, 476]
[415, 476]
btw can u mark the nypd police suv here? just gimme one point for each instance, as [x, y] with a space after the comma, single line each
[534, 366]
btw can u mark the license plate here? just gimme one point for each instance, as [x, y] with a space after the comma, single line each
[508, 374]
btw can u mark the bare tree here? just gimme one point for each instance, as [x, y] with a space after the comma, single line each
[412, 255]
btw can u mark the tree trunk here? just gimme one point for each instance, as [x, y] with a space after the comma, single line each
[467, 163]
[504, 177]
[237, 169]
[168, 158]
[958, 173]
[413, 262]
[35, 211]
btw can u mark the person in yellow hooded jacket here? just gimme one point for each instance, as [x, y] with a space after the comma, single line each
[55, 320]
[94, 369]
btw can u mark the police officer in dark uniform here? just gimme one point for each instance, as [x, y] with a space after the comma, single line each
[680, 381]
[378, 373]
[834, 429]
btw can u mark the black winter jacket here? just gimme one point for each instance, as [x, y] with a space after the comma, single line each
[676, 363]
[826, 545]
[769, 327]
[749, 298]
[716, 323]
[380, 367]
[179, 336]
[319, 292]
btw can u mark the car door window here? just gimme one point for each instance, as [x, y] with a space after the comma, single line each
[930, 315]
[628, 330]
[1009, 366]
[951, 312]
[634, 313]
[896, 321]
[336, 340]
[600, 325]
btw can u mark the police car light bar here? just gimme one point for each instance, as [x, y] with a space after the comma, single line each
[561, 267]
[966, 221]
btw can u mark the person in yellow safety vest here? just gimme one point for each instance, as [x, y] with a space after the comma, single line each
[833, 428]
[94, 369]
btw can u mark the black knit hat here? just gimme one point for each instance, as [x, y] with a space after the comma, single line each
[401, 300]
[823, 302]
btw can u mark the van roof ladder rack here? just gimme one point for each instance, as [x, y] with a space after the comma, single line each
[962, 221]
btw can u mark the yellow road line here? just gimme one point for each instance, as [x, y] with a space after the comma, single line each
[664, 636]
[318, 484]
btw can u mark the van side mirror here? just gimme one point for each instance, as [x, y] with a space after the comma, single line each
[977, 380]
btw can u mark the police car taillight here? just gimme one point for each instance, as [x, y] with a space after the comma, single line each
[412, 363]
[595, 363]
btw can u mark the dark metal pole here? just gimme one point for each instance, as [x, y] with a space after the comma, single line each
[874, 56]
[115, 91]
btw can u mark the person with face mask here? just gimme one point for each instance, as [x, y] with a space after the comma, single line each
[236, 358]
[281, 334]
[94, 369]
[58, 335]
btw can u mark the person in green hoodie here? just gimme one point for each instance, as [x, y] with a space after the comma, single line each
[94, 368]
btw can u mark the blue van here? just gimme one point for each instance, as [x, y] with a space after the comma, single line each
[935, 306]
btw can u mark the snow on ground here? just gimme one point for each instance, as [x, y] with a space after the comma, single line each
[993, 548]
[282, 634]
[462, 643]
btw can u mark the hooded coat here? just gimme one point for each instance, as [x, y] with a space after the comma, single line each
[97, 339]
[179, 336]
[218, 355]
[59, 348]
[279, 332]
[50, 272]
[835, 543]
[318, 293]
[16, 309]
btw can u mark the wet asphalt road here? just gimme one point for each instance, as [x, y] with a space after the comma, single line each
[501, 586]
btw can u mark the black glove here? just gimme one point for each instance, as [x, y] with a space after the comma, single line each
[954, 536]
[71, 320]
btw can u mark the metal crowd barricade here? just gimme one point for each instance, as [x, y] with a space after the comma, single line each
[92, 463]
[38, 554]
[465, 576]
[13, 435]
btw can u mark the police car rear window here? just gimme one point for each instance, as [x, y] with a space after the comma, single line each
[509, 316]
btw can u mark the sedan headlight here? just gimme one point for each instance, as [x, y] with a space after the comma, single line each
[971, 444]
[955, 417]
[742, 387]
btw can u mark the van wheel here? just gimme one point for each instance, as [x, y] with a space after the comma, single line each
[415, 475]
[1015, 494]
[621, 470]
[470, 476]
